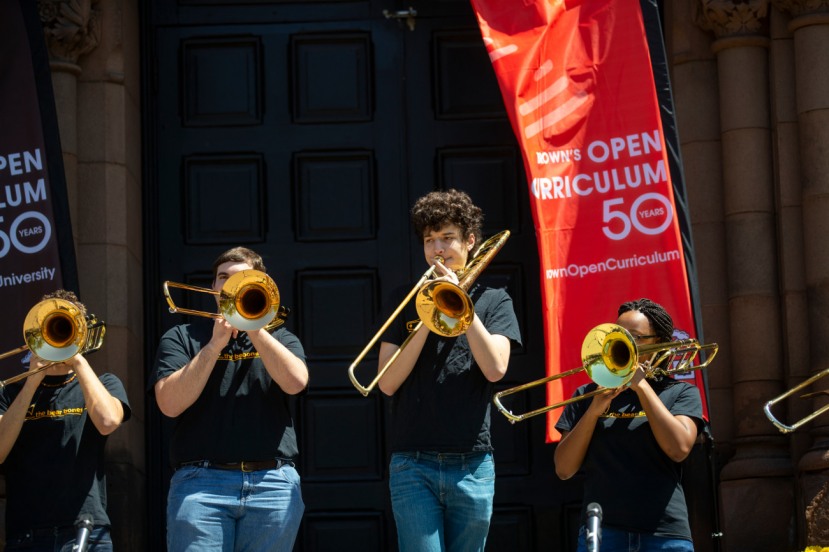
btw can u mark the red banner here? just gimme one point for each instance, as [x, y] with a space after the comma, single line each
[578, 85]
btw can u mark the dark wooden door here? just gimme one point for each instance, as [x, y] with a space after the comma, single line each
[305, 131]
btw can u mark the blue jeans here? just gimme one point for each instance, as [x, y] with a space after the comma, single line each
[212, 509]
[616, 540]
[441, 501]
[58, 539]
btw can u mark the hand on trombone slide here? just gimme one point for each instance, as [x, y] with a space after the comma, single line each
[446, 273]
[37, 369]
[605, 395]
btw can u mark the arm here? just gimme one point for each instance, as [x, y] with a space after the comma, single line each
[403, 364]
[675, 434]
[11, 422]
[571, 450]
[178, 391]
[105, 411]
[491, 351]
[288, 371]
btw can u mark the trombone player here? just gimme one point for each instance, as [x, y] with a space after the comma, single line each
[234, 440]
[629, 443]
[441, 472]
[53, 428]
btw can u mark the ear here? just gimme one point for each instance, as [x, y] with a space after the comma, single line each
[470, 242]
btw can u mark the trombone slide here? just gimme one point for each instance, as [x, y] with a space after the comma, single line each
[496, 400]
[365, 390]
[790, 428]
[610, 357]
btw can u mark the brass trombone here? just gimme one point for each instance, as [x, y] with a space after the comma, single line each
[56, 330]
[790, 428]
[248, 300]
[610, 357]
[445, 308]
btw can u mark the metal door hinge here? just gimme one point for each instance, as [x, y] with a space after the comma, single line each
[409, 15]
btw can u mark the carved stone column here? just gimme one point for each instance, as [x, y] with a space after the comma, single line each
[71, 30]
[760, 471]
[694, 78]
[809, 26]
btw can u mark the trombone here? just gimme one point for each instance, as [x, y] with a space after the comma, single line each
[56, 330]
[248, 300]
[443, 307]
[790, 428]
[610, 357]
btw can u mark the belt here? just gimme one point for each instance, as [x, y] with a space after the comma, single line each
[245, 466]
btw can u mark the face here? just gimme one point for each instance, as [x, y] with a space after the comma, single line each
[226, 270]
[448, 242]
[639, 327]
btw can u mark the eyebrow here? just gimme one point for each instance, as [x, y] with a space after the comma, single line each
[446, 233]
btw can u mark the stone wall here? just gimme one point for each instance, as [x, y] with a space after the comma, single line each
[750, 80]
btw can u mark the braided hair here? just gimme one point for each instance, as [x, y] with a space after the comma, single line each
[66, 295]
[660, 320]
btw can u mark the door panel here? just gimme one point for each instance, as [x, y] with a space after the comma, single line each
[305, 131]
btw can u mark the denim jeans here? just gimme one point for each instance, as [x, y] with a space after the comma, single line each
[59, 539]
[212, 509]
[615, 540]
[441, 501]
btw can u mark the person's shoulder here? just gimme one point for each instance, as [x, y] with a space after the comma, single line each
[177, 329]
[286, 337]
[110, 377]
[188, 329]
[674, 387]
[674, 383]
[493, 295]
[282, 331]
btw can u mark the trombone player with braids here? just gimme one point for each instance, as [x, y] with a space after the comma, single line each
[441, 472]
[630, 442]
[53, 428]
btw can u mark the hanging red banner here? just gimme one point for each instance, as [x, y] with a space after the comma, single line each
[578, 85]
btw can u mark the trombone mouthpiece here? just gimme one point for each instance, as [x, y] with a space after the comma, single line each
[439, 259]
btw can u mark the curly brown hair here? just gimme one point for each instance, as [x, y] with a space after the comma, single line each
[239, 255]
[66, 295]
[439, 208]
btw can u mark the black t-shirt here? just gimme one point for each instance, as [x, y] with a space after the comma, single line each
[241, 414]
[637, 485]
[444, 404]
[55, 470]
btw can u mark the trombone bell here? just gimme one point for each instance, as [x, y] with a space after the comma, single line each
[445, 308]
[609, 355]
[248, 300]
[55, 330]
